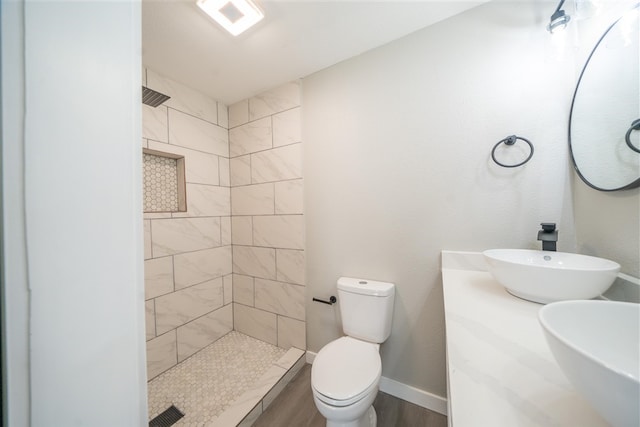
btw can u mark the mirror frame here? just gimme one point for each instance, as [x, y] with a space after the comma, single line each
[631, 185]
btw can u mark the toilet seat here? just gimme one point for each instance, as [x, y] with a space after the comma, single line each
[345, 371]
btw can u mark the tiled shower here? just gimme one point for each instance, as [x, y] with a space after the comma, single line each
[235, 259]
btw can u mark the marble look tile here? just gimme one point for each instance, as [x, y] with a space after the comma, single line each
[196, 267]
[289, 197]
[190, 132]
[150, 319]
[177, 235]
[275, 100]
[240, 170]
[286, 127]
[206, 200]
[251, 137]
[161, 354]
[201, 332]
[227, 282]
[158, 277]
[223, 115]
[253, 200]
[290, 266]
[154, 123]
[252, 416]
[239, 113]
[243, 289]
[291, 333]
[144, 76]
[200, 167]
[242, 227]
[277, 164]
[224, 172]
[184, 98]
[291, 358]
[279, 231]
[225, 230]
[255, 323]
[145, 143]
[281, 298]
[147, 239]
[155, 215]
[282, 383]
[180, 307]
[256, 262]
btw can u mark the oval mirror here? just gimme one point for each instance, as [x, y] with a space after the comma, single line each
[604, 131]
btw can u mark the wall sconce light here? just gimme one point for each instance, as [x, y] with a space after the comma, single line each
[235, 16]
[559, 19]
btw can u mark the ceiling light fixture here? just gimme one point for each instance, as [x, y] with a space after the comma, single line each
[559, 19]
[235, 16]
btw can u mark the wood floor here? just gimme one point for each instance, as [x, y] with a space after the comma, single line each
[294, 407]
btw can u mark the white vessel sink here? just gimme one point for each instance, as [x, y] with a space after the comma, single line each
[597, 345]
[546, 276]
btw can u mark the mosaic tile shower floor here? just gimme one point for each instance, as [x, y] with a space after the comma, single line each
[204, 385]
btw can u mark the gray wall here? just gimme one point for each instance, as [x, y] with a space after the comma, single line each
[397, 167]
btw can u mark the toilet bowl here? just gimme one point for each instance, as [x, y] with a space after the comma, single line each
[346, 372]
[345, 376]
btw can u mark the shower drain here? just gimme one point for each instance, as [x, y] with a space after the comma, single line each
[167, 418]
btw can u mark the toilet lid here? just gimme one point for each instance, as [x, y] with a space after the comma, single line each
[345, 369]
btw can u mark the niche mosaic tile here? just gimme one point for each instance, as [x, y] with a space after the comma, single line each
[164, 188]
[205, 384]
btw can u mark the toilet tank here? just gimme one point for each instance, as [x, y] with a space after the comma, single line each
[366, 307]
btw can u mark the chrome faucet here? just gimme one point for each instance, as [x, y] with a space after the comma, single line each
[548, 235]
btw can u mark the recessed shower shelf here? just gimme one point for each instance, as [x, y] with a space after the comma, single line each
[164, 187]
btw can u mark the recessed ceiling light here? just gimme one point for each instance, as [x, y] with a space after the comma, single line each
[235, 16]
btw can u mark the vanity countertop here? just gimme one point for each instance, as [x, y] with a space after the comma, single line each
[500, 371]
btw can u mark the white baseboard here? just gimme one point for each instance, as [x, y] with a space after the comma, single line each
[422, 398]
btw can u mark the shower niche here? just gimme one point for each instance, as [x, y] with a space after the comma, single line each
[164, 187]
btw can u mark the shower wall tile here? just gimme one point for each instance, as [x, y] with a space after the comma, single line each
[279, 231]
[206, 200]
[190, 132]
[243, 290]
[280, 298]
[251, 137]
[180, 307]
[239, 113]
[275, 100]
[223, 116]
[242, 227]
[196, 267]
[286, 127]
[177, 235]
[291, 333]
[253, 200]
[225, 230]
[147, 239]
[157, 215]
[240, 170]
[161, 354]
[201, 168]
[289, 197]
[253, 261]
[199, 333]
[277, 164]
[290, 266]
[184, 98]
[158, 277]
[256, 323]
[228, 288]
[150, 319]
[154, 123]
[224, 173]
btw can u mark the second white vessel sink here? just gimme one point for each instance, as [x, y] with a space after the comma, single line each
[548, 276]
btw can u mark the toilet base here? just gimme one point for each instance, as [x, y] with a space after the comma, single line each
[369, 419]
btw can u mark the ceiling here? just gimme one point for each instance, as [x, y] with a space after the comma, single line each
[295, 39]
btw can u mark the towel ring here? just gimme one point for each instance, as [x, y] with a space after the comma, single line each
[634, 126]
[511, 140]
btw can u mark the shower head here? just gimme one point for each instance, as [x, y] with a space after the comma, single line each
[153, 98]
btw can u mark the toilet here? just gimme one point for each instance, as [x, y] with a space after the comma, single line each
[346, 372]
